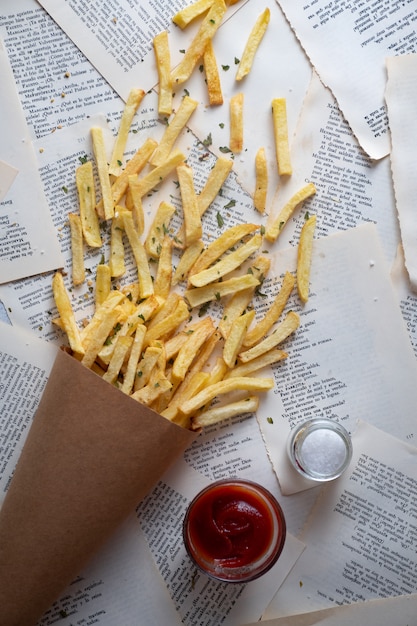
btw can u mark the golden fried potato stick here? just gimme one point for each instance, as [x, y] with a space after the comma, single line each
[134, 166]
[268, 358]
[103, 171]
[154, 178]
[134, 356]
[162, 283]
[277, 223]
[190, 348]
[282, 145]
[235, 338]
[133, 202]
[261, 186]
[195, 50]
[159, 229]
[219, 371]
[193, 229]
[271, 316]
[240, 301]
[256, 35]
[145, 366]
[122, 346]
[165, 309]
[173, 130]
[191, 12]
[187, 260]
[133, 101]
[169, 324]
[113, 300]
[243, 383]
[98, 336]
[103, 283]
[230, 262]
[216, 291]
[236, 123]
[77, 249]
[145, 280]
[66, 314]
[163, 66]
[148, 394]
[305, 250]
[211, 70]
[219, 246]
[117, 249]
[217, 414]
[283, 330]
[84, 179]
[186, 390]
[215, 180]
[126, 328]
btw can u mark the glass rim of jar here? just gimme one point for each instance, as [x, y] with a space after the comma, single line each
[298, 436]
[248, 572]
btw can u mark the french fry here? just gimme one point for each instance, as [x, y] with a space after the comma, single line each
[125, 329]
[191, 12]
[144, 185]
[133, 101]
[77, 251]
[145, 366]
[121, 348]
[134, 356]
[113, 300]
[282, 146]
[192, 221]
[103, 171]
[215, 180]
[229, 263]
[98, 336]
[185, 391]
[227, 240]
[134, 166]
[211, 70]
[195, 50]
[145, 280]
[240, 301]
[163, 66]
[261, 187]
[84, 180]
[135, 206]
[283, 330]
[159, 229]
[148, 394]
[162, 284]
[187, 260]
[66, 313]
[256, 35]
[305, 250]
[277, 223]
[117, 250]
[173, 130]
[103, 283]
[262, 328]
[190, 348]
[242, 383]
[169, 324]
[216, 291]
[235, 338]
[267, 358]
[217, 414]
[148, 308]
[236, 123]
[165, 309]
[219, 371]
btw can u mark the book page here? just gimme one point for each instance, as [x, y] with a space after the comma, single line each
[357, 38]
[118, 38]
[361, 535]
[351, 357]
[23, 204]
[400, 95]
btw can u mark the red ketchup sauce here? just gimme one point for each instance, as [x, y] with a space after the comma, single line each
[234, 530]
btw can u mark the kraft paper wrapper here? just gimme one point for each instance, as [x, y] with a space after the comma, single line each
[92, 454]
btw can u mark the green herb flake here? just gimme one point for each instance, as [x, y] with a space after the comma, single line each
[230, 204]
[307, 216]
[83, 159]
[237, 61]
[207, 141]
[220, 220]
[221, 124]
[269, 420]
[64, 189]
[225, 68]
[262, 230]
[119, 163]
[224, 149]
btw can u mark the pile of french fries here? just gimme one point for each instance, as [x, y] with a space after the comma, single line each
[148, 337]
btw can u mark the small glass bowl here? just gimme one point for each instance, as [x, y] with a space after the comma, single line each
[234, 530]
[320, 449]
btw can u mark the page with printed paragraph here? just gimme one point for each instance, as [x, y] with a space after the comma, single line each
[358, 37]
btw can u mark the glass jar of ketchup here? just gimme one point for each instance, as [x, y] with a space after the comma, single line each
[234, 530]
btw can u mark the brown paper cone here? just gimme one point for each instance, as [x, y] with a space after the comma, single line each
[91, 456]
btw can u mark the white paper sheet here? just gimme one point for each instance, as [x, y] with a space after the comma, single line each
[7, 176]
[401, 95]
[28, 242]
[360, 538]
[347, 43]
